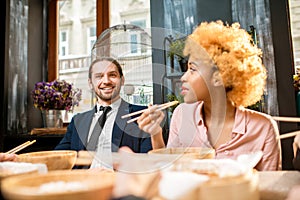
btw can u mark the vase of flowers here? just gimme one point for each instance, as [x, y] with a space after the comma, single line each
[52, 118]
[53, 97]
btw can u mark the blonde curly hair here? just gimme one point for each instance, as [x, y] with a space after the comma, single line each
[236, 57]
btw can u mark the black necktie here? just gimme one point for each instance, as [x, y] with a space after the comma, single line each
[93, 141]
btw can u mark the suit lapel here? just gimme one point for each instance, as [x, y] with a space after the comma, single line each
[82, 126]
[119, 126]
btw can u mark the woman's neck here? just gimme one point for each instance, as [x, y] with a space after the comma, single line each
[218, 112]
[219, 120]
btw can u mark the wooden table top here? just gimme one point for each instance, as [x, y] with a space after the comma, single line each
[275, 185]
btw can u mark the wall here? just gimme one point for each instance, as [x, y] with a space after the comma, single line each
[214, 10]
[35, 49]
[37, 62]
[2, 61]
[284, 71]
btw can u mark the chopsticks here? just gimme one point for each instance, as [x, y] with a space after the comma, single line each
[287, 135]
[286, 119]
[160, 107]
[20, 147]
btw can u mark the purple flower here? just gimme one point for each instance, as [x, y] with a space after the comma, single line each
[58, 95]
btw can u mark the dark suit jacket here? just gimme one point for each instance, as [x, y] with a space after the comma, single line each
[124, 134]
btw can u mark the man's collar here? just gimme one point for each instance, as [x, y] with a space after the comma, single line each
[114, 105]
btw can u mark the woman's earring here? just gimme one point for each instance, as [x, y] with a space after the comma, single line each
[217, 80]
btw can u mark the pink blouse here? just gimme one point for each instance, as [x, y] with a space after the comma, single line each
[252, 131]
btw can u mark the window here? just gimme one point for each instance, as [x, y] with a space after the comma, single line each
[136, 58]
[79, 28]
[100, 9]
[140, 23]
[77, 34]
[133, 45]
[63, 43]
[91, 39]
[139, 39]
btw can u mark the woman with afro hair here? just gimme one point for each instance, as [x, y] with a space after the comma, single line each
[225, 75]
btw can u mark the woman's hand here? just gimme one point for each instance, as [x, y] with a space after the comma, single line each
[150, 122]
[7, 157]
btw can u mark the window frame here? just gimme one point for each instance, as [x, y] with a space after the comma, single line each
[102, 23]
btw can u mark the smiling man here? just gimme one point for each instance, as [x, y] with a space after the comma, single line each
[88, 130]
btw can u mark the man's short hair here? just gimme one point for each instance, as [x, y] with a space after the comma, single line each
[109, 59]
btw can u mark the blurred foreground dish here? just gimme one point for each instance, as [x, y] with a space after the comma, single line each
[55, 160]
[209, 179]
[61, 184]
[8, 169]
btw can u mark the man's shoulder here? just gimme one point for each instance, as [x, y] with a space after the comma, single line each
[137, 107]
[83, 114]
[133, 107]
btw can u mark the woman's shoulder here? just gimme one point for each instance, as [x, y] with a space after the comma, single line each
[263, 123]
[254, 113]
[256, 116]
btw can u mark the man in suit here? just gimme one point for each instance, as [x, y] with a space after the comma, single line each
[106, 78]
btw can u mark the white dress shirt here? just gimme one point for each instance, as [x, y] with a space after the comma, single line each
[103, 158]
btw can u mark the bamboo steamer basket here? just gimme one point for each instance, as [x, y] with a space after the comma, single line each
[227, 179]
[95, 185]
[241, 187]
[188, 152]
[55, 160]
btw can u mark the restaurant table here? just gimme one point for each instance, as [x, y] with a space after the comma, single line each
[275, 185]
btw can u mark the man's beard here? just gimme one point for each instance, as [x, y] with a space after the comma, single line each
[109, 97]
